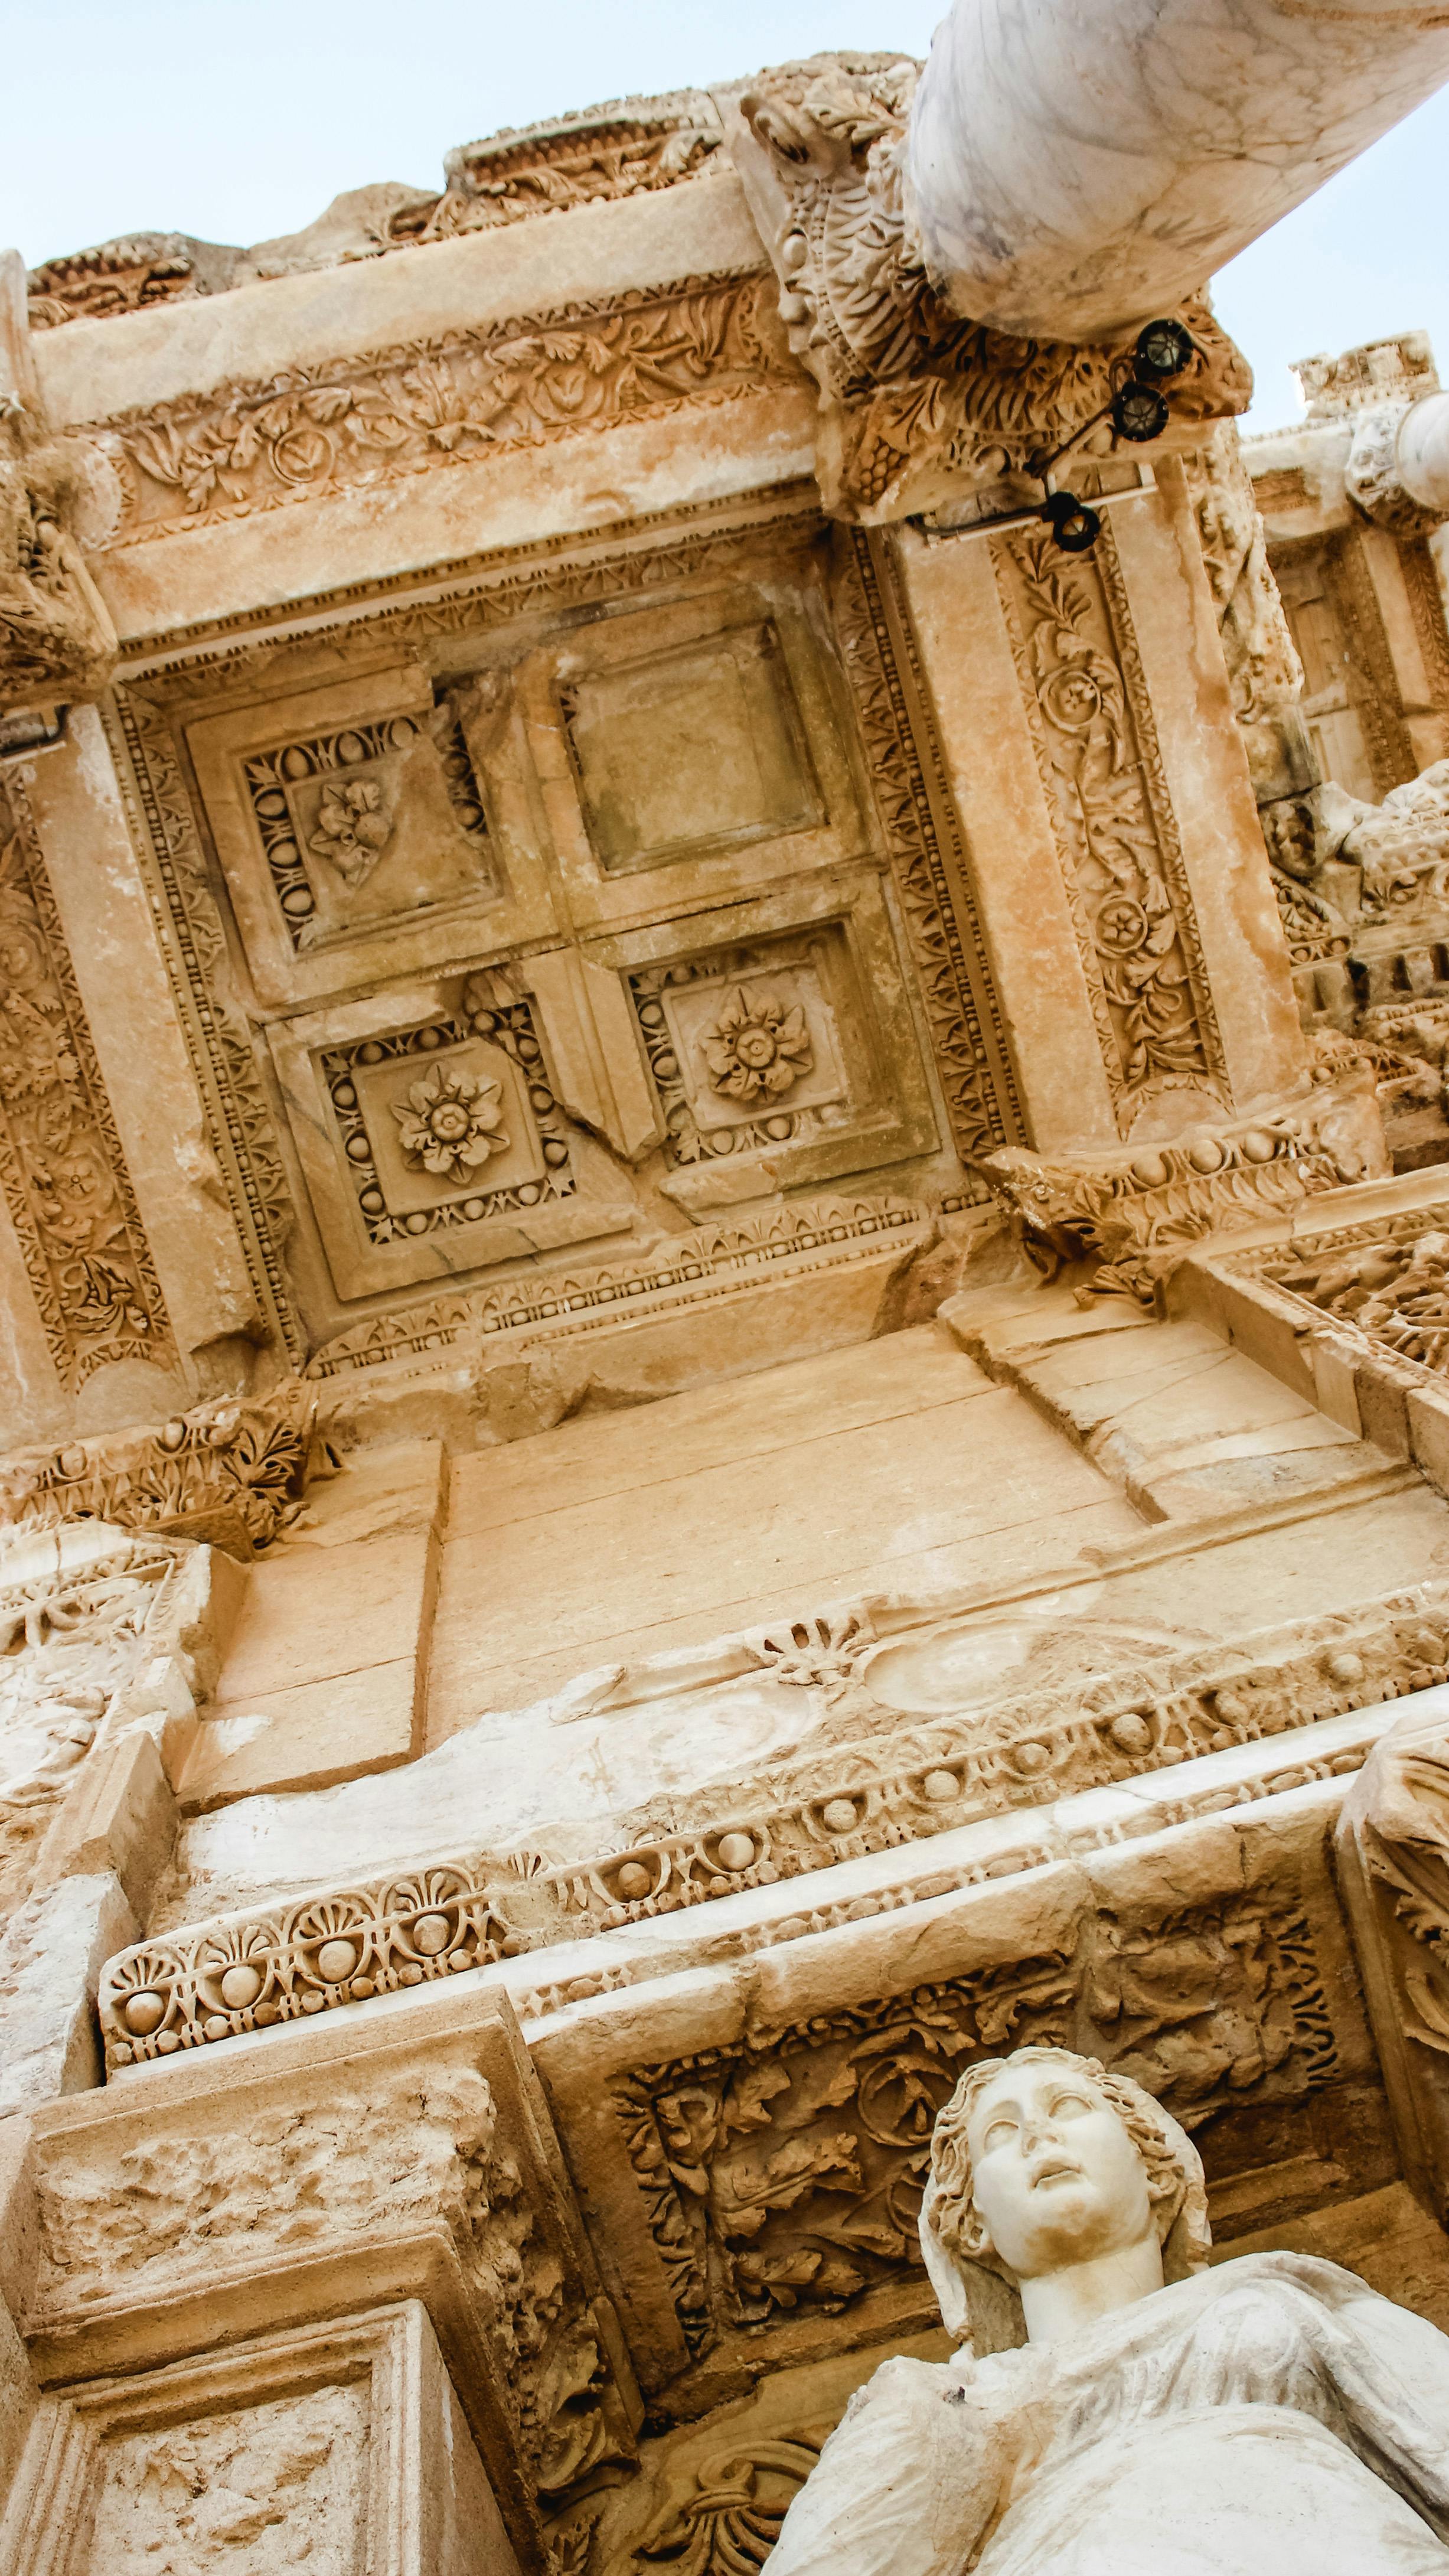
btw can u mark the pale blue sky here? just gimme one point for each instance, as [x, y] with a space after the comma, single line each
[239, 119]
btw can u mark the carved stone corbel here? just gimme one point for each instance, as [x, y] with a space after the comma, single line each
[918, 406]
[1393, 1860]
[1138, 1208]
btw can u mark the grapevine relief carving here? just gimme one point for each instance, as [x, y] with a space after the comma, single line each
[786, 2172]
[1096, 749]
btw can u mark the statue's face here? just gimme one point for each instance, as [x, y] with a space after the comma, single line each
[1055, 2176]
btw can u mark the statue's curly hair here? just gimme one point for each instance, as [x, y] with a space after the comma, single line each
[1174, 2175]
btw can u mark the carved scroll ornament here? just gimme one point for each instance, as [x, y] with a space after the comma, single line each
[913, 399]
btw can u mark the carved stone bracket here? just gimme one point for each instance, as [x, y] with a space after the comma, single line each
[230, 1473]
[1138, 1210]
[917, 405]
[1393, 1856]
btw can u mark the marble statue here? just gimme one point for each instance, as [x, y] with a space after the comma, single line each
[1113, 2404]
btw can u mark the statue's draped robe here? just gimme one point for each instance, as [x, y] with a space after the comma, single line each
[1271, 2418]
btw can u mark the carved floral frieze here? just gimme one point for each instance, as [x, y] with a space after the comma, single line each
[366, 421]
[230, 1472]
[61, 1165]
[785, 2173]
[1095, 739]
[889, 1781]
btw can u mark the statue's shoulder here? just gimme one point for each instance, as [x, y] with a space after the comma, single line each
[904, 2386]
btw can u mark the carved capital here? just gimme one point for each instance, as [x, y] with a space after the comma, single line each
[229, 1473]
[56, 636]
[1140, 1208]
[1374, 475]
[918, 406]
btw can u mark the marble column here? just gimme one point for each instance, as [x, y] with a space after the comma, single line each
[1076, 166]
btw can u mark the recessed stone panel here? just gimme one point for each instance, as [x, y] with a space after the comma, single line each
[682, 752]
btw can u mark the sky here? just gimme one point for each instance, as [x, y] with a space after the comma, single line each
[236, 120]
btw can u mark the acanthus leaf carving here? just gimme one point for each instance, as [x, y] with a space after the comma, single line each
[229, 1472]
[1139, 1212]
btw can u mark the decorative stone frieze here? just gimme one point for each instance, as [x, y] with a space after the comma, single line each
[699, 1267]
[625, 148]
[363, 422]
[785, 2173]
[1142, 1211]
[916, 404]
[62, 1169]
[888, 1781]
[230, 1473]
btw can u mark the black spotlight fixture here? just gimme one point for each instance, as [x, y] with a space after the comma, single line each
[1138, 412]
[1163, 350]
[1073, 523]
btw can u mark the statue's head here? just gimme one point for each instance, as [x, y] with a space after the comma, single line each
[1042, 2161]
